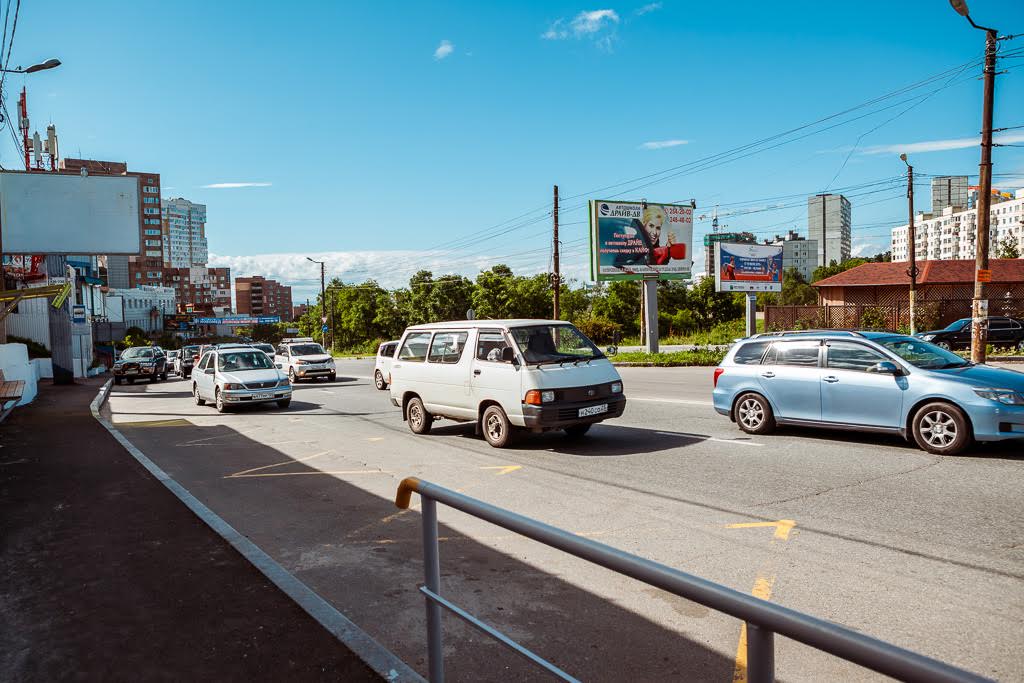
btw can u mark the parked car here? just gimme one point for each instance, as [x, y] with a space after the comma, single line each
[137, 362]
[532, 374]
[869, 381]
[264, 347]
[1002, 332]
[172, 356]
[237, 374]
[382, 368]
[303, 358]
[186, 360]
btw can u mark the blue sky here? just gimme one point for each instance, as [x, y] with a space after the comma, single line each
[392, 137]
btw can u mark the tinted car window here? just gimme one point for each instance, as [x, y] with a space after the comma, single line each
[796, 353]
[415, 347]
[847, 356]
[750, 354]
[998, 324]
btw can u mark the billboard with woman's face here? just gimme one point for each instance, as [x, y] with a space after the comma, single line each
[638, 240]
[748, 267]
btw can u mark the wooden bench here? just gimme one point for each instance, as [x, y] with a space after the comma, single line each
[10, 392]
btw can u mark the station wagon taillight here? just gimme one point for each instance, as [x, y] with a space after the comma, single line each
[718, 373]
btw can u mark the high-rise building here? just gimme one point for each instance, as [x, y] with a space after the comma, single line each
[257, 295]
[184, 233]
[731, 237]
[951, 234]
[828, 225]
[122, 270]
[949, 191]
[797, 252]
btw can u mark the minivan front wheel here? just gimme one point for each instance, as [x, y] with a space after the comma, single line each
[754, 414]
[496, 427]
[420, 421]
[941, 428]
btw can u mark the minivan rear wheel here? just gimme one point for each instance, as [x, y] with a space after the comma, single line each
[754, 414]
[941, 428]
[420, 421]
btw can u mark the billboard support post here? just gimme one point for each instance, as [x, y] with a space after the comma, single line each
[650, 297]
[751, 314]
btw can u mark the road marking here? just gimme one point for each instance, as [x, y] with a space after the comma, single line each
[297, 474]
[174, 422]
[763, 585]
[782, 527]
[702, 437]
[277, 464]
[505, 469]
[684, 401]
[376, 438]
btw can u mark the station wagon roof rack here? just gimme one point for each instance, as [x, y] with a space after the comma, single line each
[787, 333]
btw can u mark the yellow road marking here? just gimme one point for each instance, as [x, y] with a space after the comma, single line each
[505, 469]
[376, 438]
[176, 422]
[782, 527]
[298, 474]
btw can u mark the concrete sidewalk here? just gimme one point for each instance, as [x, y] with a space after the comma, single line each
[104, 574]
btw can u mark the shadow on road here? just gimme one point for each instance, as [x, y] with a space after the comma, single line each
[361, 553]
[1004, 450]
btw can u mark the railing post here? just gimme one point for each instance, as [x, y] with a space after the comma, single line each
[432, 576]
[760, 654]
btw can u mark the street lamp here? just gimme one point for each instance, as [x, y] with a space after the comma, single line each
[912, 240]
[323, 302]
[982, 274]
[51, 63]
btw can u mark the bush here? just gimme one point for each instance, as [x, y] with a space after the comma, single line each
[599, 330]
[926, 316]
[874, 318]
[35, 349]
[695, 357]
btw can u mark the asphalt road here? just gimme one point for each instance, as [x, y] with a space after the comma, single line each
[922, 551]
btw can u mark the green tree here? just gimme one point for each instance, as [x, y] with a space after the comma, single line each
[621, 304]
[494, 294]
[833, 268]
[1008, 248]
[796, 290]
[710, 307]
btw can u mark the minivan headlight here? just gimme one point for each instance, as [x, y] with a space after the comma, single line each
[1006, 396]
[616, 387]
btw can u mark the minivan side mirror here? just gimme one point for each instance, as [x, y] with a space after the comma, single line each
[508, 355]
[886, 368]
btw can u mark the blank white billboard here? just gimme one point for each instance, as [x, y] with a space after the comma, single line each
[50, 213]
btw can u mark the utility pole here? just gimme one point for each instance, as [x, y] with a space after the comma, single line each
[323, 306]
[23, 125]
[912, 239]
[556, 281]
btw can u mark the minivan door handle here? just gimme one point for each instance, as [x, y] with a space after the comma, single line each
[476, 372]
[768, 374]
[831, 379]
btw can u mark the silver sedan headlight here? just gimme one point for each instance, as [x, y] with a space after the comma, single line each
[1006, 396]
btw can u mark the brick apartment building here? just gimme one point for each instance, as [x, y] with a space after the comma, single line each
[144, 268]
[257, 295]
[200, 289]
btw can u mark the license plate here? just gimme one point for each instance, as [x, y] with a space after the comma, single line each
[594, 410]
[260, 396]
[131, 372]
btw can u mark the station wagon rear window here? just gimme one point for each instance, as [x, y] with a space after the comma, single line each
[750, 354]
[793, 353]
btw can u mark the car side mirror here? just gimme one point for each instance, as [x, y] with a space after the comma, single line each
[508, 355]
[208, 371]
[278, 366]
[886, 368]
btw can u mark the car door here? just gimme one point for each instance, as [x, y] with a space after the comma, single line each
[203, 380]
[851, 395]
[409, 371]
[790, 376]
[1000, 332]
[449, 373]
[495, 379]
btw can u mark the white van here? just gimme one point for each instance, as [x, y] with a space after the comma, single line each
[535, 374]
[382, 366]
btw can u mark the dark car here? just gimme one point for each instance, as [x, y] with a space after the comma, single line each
[185, 361]
[137, 362]
[1002, 332]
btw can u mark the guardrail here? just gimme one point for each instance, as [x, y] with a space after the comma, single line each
[763, 619]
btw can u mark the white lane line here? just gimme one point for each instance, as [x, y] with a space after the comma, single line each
[684, 401]
[711, 438]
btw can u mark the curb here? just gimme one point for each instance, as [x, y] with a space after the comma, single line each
[383, 662]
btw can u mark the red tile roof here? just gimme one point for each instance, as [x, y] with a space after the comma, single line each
[1004, 271]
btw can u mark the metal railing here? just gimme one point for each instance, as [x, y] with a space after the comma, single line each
[763, 619]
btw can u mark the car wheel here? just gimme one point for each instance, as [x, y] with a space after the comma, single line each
[577, 431]
[754, 414]
[332, 377]
[218, 398]
[131, 380]
[420, 421]
[943, 345]
[291, 375]
[284, 402]
[941, 428]
[196, 396]
[378, 381]
[496, 427]
[117, 380]
[163, 377]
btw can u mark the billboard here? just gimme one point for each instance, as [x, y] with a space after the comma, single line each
[51, 213]
[640, 240]
[25, 268]
[240, 320]
[748, 267]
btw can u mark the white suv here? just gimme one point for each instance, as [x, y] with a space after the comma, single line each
[234, 374]
[303, 358]
[382, 368]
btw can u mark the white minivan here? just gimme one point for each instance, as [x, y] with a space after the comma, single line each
[502, 374]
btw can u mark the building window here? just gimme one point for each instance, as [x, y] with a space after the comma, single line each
[150, 211]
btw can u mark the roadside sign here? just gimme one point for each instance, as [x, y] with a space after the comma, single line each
[323, 318]
[984, 275]
[292, 330]
[470, 314]
[324, 328]
[77, 313]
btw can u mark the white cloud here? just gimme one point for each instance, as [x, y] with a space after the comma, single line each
[585, 24]
[940, 145]
[444, 49]
[863, 246]
[231, 186]
[662, 144]
[648, 8]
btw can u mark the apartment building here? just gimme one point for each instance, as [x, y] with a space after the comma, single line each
[257, 295]
[950, 234]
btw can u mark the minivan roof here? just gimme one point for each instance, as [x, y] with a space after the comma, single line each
[515, 322]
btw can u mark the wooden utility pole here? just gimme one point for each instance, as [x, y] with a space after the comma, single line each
[912, 239]
[556, 280]
[982, 274]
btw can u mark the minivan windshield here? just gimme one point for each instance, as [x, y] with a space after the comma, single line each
[553, 344]
[306, 349]
[921, 354]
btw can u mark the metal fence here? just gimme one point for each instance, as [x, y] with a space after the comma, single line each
[930, 314]
[763, 619]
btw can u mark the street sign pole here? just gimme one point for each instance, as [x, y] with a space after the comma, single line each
[650, 295]
[751, 313]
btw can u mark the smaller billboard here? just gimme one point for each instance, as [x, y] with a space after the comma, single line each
[748, 267]
[25, 268]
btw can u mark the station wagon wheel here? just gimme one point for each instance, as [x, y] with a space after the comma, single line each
[941, 428]
[420, 421]
[378, 380]
[496, 427]
[753, 414]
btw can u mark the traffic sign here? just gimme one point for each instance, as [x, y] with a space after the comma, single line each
[323, 318]
[984, 275]
[324, 328]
